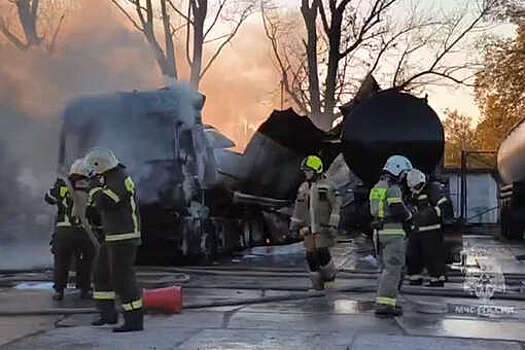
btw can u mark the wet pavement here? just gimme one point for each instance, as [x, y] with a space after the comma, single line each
[477, 318]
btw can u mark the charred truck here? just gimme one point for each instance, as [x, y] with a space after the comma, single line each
[199, 198]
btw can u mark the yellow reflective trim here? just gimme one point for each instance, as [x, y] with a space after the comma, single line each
[386, 301]
[423, 196]
[112, 195]
[63, 191]
[94, 190]
[438, 211]
[394, 200]
[121, 237]
[104, 295]
[134, 305]
[442, 200]
[379, 195]
[130, 185]
[63, 223]
[392, 231]
[429, 228]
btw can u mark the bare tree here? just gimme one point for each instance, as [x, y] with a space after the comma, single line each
[20, 18]
[390, 38]
[199, 21]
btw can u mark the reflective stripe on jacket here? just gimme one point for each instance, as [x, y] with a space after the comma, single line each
[117, 204]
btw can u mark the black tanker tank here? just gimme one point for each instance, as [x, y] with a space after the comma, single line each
[391, 123]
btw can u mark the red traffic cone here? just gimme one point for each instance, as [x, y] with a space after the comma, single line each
[167, 300]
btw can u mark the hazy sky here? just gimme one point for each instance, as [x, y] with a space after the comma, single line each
[440, 97]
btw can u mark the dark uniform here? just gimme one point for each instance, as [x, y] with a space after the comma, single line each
[116, 202]
[69, 240]
[425, 247]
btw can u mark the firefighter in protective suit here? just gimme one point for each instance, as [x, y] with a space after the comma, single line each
[316, 217]
[70, 239]
[392, 222]
[113, 195]
[425, 246]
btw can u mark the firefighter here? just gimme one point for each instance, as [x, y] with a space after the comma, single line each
[425, 247]
[113, 195]
[69, 240]
[392, 222]
[316, 218]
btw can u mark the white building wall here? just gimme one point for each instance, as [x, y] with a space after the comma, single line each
[482, 195]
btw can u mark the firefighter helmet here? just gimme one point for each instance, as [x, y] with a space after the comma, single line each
[100, 160]
[416, 180]
[79, 168]
[396, 165]
[312, 163]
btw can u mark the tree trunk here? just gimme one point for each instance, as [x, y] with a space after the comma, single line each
[27, 13]
[200, 10]
[333, 63]
[310, 16]
[170, 71]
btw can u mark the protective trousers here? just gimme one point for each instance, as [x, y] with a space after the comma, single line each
[319, 259]
[115, 274]
[393, 250]
[425, 250]
[66, 246]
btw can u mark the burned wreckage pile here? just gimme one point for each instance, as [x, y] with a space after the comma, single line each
[199, 198]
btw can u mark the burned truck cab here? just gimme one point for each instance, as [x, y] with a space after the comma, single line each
[160, 138]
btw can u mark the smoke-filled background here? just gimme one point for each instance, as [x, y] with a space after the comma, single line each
[97, 51]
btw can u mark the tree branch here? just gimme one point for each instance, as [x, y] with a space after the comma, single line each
[187, 18]
[244, 15]
[52, 44]
[130, 18]
[219, 10]
[11, 36]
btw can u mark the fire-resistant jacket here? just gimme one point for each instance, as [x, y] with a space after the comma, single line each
[317, 206]
[429, 205]
[117, 203]
[59, 195]
[388, 208]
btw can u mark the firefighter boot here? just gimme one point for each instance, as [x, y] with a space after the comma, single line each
[108, 314]
[387, 310]
[133, 321]
[317, 280]
[328, 273]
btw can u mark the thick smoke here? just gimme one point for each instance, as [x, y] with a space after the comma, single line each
[95, 54]
[98, 52]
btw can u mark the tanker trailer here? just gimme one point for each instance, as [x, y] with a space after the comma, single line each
[511, 168]
[380, 126]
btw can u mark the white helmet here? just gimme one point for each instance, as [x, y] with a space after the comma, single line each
[79, 167]
[395, 165]
[100, 160]
[415, 180]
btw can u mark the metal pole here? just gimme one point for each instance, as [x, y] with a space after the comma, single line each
[463, 201]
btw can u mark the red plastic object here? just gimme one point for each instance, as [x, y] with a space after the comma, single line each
[167, 300]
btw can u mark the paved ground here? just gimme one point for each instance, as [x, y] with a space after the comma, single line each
[339, 320]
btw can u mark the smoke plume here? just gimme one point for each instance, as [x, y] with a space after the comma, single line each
[98, 52]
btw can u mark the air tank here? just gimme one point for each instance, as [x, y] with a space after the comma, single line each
[391, 123]
[511, 156]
